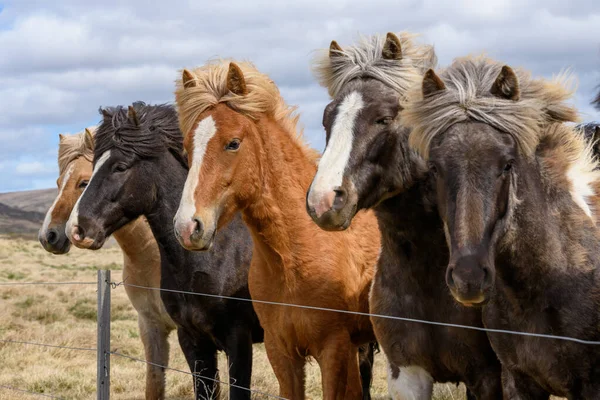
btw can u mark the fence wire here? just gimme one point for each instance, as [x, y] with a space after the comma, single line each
[197, 375]
[54, 346]
[49, 396]
[46, 283]
[404, 319]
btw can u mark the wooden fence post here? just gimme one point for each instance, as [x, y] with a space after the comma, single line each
[103, 343]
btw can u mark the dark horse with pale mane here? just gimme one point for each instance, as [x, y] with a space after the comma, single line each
[246, 155]
[139, 169]
[517, 192]
[367, 164]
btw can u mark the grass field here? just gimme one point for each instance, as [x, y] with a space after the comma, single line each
[66, 315]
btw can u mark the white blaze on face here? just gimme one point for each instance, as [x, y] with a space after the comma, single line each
[64, 182]
[187, 206]
[335, 158]
[412, 383]
[74, 218]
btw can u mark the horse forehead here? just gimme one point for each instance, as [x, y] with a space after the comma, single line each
[372, 92]
[205, 130]
[473, 142]
[82, 168]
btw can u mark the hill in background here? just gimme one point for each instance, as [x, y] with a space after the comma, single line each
[22, 213]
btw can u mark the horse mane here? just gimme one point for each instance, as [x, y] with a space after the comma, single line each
[365, 60]
[71, 147]
[467, 97]
[157, 128]
[567, 152]
[263, 98]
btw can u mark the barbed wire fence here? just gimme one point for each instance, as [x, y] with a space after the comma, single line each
[104, 352]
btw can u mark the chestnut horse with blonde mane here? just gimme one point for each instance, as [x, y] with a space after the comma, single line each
[141, 258]
[245, 155]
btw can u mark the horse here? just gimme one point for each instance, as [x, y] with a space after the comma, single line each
[378, 171]
[141, 258]
[139, 170]
[246, 155]
[517, 191]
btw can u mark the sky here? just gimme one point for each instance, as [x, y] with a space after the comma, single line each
[61, 60]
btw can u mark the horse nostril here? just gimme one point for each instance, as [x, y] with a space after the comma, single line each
[198, 228]
[52, 237]
[450, 277]
[487, 279]
[341, 196]
[77, 233]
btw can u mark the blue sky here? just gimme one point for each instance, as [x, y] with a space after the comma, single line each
[62, 60]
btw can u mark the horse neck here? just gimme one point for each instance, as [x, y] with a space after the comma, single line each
[169, 180]
[549, 235]
[137, 242]
[278, 213]
[411, 230]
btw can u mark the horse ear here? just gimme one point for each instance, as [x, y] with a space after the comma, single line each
[392, 50]
[61, 137]
[105, 113]
[432, 83]
[133, 116]
[188, 79]
[89, 139]
[506, 85]
[335, 50]
[235, 80]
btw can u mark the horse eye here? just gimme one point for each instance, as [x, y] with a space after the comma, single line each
[234, 145]
[83, 184]
[508, 166]
[120, 168]
[384, 121]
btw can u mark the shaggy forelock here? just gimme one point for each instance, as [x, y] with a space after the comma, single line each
[71, 147]
[158, 130]
[467, 97]
[365, 60]
[263, 98]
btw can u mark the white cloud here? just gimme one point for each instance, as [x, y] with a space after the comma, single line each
[33, 168]
[62, 60]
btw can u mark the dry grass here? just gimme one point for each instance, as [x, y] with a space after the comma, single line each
[65, 315]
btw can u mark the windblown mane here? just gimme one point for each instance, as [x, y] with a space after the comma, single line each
[589, 130]
[156, 130]
[263, 98]
[567, 153]
[365, 60]
[467, 97]
[74, 146]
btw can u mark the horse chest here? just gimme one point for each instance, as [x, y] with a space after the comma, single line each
[550, 362]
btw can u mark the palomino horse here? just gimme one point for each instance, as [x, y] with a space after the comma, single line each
[139, 169]
[246, 155]
[518, 195]
[367, 159]
[141, 258]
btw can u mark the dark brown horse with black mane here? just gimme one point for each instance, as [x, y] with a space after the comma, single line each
[367, 164]
[517, 192]
[139, 169]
